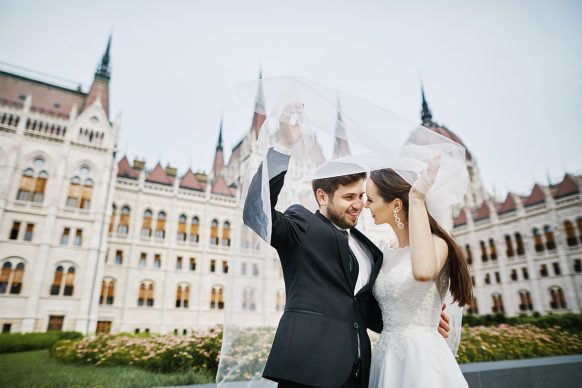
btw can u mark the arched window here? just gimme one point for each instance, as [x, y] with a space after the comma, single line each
[146, 226]
[181, 228]
[107, 291]
[472, 307]
[498, 304]
[123, 227]
[33, 182]
[161, 225]
[69, 282]
[112, 219]
[5, 273]
[280, 300]
[216, 298]
[249, 299]
[182, 296]
[484, 256]
[74, 192]
[146, 294]
[519, 243]
[194, 229]
[226, 234]
[549, 234]
[570, 233]
[539, 244]
[86, 194]
[492, 250]
[63, 281]
[509, 246]
[525, 303]
[11, 275]
[557, 298]
[214, 232]
[469, 254]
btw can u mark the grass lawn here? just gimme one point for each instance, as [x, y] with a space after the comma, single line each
[37, 369]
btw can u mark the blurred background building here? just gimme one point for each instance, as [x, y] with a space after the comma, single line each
[93, 242]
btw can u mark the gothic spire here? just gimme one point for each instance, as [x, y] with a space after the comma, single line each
[425, 114]
[218, 164]
[219, 144]
[104, 70]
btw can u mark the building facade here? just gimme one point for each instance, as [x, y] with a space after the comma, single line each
[96, 243]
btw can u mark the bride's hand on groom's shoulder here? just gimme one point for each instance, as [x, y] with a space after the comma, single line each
[444, 327]
[426, 178]
[290, 122]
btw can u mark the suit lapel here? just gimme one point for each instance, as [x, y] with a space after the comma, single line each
[342, 245]
[377, 258]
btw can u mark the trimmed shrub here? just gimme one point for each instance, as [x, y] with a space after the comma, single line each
[18, 342]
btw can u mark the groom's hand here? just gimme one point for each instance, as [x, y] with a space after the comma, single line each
[444, 327]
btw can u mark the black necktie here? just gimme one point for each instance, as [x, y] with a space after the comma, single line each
[354, 266]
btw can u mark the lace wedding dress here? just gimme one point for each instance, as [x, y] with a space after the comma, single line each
[410, 351]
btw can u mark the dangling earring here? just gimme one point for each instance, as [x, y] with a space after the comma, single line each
[398, 220]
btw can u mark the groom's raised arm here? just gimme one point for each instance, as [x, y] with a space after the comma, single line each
[288, 229]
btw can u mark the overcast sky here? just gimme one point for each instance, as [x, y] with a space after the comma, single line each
[506, 76]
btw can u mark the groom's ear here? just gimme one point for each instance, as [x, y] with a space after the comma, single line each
[321, 197]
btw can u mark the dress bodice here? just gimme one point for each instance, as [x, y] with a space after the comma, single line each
[404, 301]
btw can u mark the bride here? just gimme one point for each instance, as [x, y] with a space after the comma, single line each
[412, 283]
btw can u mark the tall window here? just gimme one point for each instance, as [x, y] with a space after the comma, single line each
[570, 233]
[182, 296]
[513, 275]
[484, 256]
[579, 224]
[161, 225]
[487, 278]
[226, 234]
[192, 264]
[146, 226]
[28, 232]
[112, 219]
[249, 299]
[224, 266]
[498, 304]
[146, 294]
[214, 232]
[255, 269]
[157, 261]
[65, 236]
[78, 237]
[216, 298]
[212, 265]
[549, 234]
[11, 279]
[14, 231]
[539, 244]
[557, 298]
[179, 262]
[33, 182]
[509, 246]
[181, 228]
[123, 226]
[64, 281]
[557, 270]
[118, 257]
[194, 229]
[143, 259]
[107, 291]
[525, 301]
[543, 270]
[525, 273]
[519, 244]
[469, 254]
[492, 250]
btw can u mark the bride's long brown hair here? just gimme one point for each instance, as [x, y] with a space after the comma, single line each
[391, 186]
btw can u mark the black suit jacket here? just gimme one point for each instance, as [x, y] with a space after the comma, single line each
[324, 323]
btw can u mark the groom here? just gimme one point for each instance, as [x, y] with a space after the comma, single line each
[329, 268]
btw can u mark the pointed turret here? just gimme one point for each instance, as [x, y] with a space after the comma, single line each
[100, 87]
[218, 164]
[341, 147]
[425, 114]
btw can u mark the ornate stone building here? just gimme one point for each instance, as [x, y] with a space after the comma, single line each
[96, 244]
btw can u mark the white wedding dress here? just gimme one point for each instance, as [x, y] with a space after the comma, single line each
[410, 351]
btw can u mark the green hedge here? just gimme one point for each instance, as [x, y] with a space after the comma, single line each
[570, 321]
[157, 353]
[18, 342]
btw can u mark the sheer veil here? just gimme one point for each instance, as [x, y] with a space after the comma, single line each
[340, 134]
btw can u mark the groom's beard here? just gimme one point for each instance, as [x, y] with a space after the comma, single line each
[339, 218]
